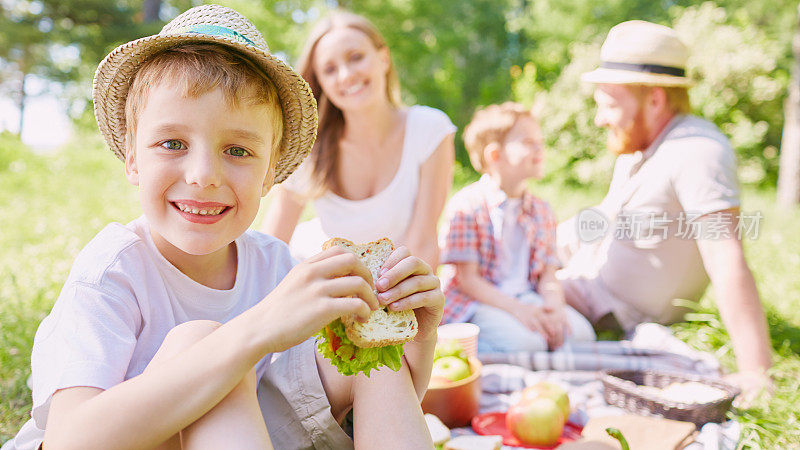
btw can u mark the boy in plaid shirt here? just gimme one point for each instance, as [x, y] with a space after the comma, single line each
[499, 242]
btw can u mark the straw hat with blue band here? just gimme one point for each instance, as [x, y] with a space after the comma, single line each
[639, 52]
[208, 24]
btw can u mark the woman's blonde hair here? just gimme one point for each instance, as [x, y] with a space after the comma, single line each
[325, 153]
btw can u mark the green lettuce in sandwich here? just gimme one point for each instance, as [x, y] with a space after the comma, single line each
[353, 346]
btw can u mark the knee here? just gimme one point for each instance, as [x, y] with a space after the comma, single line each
[249, 383]
[580, 328]
[182, 337]
[190, 332]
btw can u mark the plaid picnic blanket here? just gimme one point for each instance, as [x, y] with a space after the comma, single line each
[577, 368]
[652, 347]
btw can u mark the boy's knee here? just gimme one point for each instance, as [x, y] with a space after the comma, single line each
[191, 332]
[249, 382]
[183, 336]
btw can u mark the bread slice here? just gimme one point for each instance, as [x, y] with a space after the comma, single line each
[439, 431]
[474, 443]
[383, 327]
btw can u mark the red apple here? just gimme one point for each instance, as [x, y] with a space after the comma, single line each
[536, 422]
[544, 389]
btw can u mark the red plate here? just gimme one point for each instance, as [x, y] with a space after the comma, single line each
[494, 423]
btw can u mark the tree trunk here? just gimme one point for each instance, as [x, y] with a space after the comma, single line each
[789, 172]
[150, 10]
[21, 103]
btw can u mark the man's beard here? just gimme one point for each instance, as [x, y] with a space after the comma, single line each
[630, 139]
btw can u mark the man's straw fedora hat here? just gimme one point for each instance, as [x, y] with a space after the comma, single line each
[208, 24]
[639, 52]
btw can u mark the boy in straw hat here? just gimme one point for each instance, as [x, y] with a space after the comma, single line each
[166, 325]
[673, 204]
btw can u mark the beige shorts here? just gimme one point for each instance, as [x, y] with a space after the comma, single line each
[294, 404]
[592, 299]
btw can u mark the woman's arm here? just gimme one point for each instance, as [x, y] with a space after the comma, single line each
[436, 177]
[283, 213]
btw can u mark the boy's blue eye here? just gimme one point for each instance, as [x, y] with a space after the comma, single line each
[238, 151]
[173, 144]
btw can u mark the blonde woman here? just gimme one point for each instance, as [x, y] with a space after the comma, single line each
[378, 168]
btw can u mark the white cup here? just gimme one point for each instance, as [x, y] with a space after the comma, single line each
[465, 333]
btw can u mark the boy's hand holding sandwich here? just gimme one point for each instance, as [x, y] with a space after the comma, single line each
[410, 306]
[329, 285]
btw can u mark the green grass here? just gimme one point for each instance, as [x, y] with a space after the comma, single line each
[53, 205]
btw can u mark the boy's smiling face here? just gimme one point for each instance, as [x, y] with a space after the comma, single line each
[522, 154]
[202, 167]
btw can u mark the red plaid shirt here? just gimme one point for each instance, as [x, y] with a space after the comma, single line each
[468, 236]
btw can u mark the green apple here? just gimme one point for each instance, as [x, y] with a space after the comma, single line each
[536, 422]
[449, 348]
[452, 368]
[544, 389]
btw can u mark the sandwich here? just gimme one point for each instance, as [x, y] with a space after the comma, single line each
[354, 347]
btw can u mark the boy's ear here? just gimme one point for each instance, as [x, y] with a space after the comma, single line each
[131, 169]
[491, 153]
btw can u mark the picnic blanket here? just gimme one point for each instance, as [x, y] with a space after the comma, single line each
[652, 346]
[577, 367]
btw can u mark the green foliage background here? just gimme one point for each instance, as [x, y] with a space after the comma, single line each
[457, 55]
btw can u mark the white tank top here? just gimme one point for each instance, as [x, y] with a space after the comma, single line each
[385, 214]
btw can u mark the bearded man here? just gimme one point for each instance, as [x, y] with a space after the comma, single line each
[671, 215]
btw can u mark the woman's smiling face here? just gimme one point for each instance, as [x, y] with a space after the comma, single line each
[350, 69]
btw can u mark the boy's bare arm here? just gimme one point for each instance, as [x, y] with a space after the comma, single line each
[553, 295]
[474, 285]
[148, 409]
[550, 288]
[387, 412]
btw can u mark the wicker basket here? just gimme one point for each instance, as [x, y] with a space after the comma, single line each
[619, 392]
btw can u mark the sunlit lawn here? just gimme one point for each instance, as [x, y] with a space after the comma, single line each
[51, 206]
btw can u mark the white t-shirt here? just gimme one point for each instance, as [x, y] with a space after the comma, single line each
[385, 214]
[515, 251]
[118, 303]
